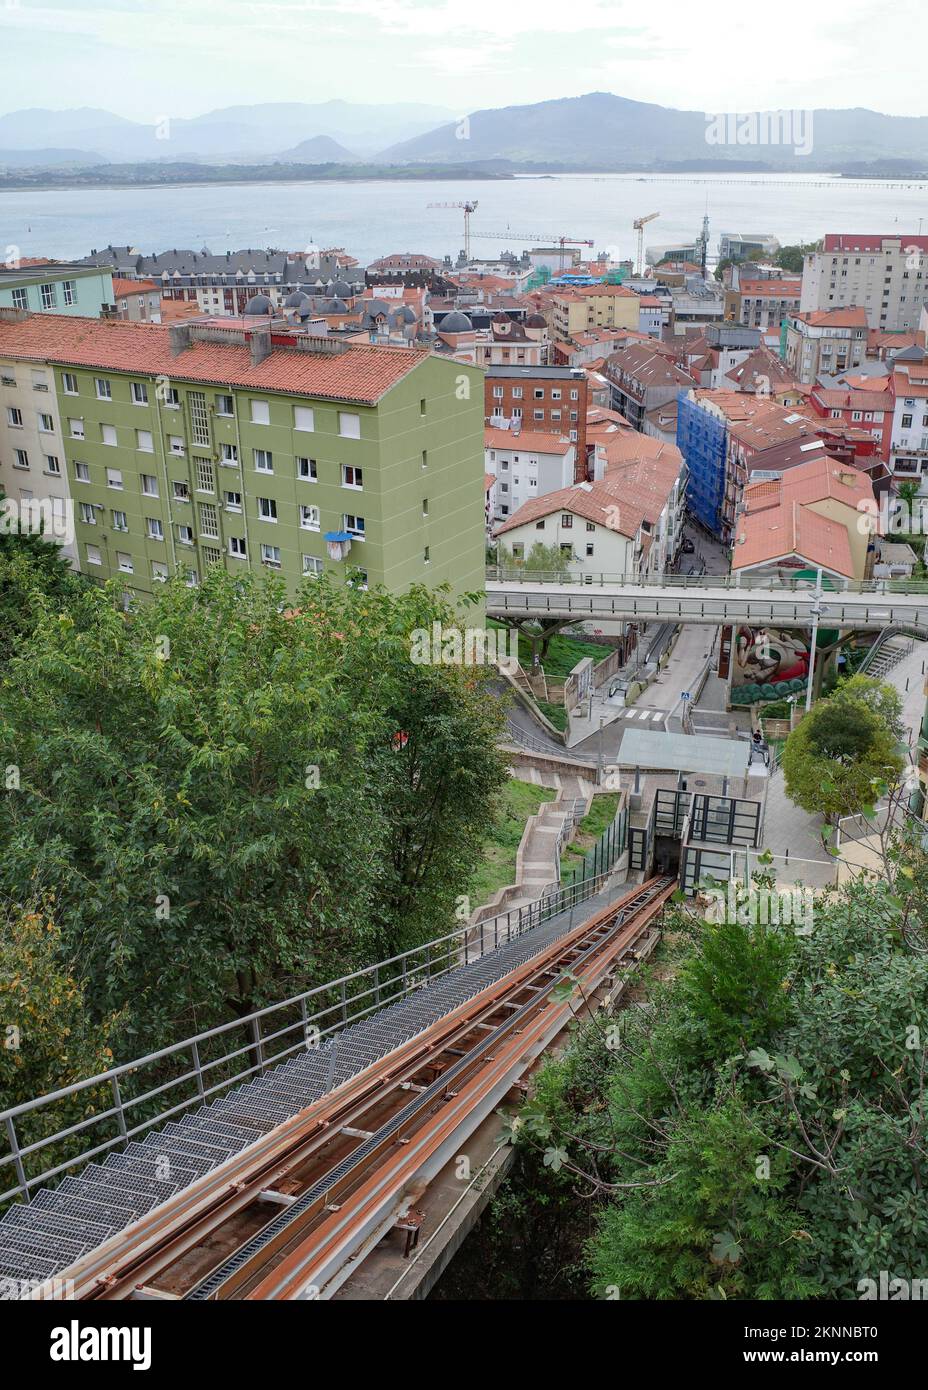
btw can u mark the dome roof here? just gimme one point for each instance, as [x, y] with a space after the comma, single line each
[500, 317]
[341, 289]
[536, 321]
[456, 322]
[294, 300]
[407, 314]
[306, 309]
[259, 304]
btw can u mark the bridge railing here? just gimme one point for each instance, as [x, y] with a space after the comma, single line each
[53, 1134]
[738, 581]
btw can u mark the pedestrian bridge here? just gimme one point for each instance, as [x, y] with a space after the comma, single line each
[755, 600]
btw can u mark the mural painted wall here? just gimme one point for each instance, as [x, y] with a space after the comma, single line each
[768, 663]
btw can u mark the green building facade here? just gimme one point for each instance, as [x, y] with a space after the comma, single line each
[77, 290]
[168, 474]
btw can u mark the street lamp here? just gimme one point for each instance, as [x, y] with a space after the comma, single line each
[818, 610]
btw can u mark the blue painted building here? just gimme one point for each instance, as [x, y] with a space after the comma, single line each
[57, 288]
[702, 439]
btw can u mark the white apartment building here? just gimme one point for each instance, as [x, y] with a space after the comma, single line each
[908, 456]
[887, 276]
[526, 464]
[825, 342]
[32, 456]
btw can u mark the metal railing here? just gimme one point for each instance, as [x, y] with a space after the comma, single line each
[129, 1099]
[605, 853]
[744, 581]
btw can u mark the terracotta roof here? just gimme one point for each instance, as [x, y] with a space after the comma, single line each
[856, 241]
[760, 363]
[362, 373]
[851, 317]
[488, 480]
[756, 421]
[791, 529]
[124, 287]
[527, 441]
[836, 398]
[813, 481]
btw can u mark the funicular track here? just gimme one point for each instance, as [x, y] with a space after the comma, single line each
[291, 1216]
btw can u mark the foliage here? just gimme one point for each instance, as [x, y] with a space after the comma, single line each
[541, 559]
[845, 749]
[792, 258]
[235, 799]
[33, 574]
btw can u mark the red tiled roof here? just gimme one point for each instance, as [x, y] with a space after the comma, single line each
[527, 441]
[362, 373]
[851, 317]
[791, 529]
[856, 241]
[124, 287]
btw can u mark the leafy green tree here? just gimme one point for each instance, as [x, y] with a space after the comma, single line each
[235, 797]
[845, 749]
[33, 572]
[792, 258]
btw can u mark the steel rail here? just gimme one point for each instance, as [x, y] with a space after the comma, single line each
[135, 1257]
[611, 931]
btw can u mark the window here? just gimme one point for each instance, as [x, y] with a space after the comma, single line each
[539, 526]
[82, 472]
[205, 480]
[352, 477]
[159, 571]
[181, 491]
[93, 555]
[306, 469]
[267, 509]
[425, 506]
[20, 458]
[108, 433]
[517, 393]
[906, 422]
[49, 297]
[422, 406]
[425, 458]
[211, 555]
[124, 562]
[154, 528]
[555, 394]
[354, 525]
[199, 417]
[46, 423]
[539, 393]
[14, 417]
[225, 405]
[176, 444]
[497, 393]
[52, 465]
[309, 518]
[69, 383]
[120, 521]
[349, 425]
[209, 520]
[139, 393]
[567, 549]
[144, 441]
[233, 501]
[88, 514]
[172, 398]
[104, 389]
[113, 477]
[237, 547]
[185, 535]
[538, 414]
[20, 299]
[260, 413]
[149, 484]
[591, 526]
[426, 554]
[67, 287]
[270, 555]
[589, 548]
[312, 564]
[39, 381]
[228, 455]
[191, 579]
[264, 460]
[566, 520]
[304, 418]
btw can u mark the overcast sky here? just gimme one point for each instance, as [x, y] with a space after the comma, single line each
[149, 58]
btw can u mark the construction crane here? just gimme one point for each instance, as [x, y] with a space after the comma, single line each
[467, 208]
[539, 238]
[639, 225]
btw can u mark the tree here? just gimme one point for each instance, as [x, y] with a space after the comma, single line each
[845, 749]
[33, 572]
[235, 797]
[541, 559]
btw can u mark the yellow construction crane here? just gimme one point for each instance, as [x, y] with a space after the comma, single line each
[639, 226]
[467, 208]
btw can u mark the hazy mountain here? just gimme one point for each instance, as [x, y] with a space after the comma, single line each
[605, 131]
[320, 150]
[230, 133]
[48, 158]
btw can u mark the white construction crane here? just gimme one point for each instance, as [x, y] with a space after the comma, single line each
[639, 226]
[539, 239]
[467, 208]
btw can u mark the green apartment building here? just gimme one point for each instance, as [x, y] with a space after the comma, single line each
[57, 287]
[190, 446]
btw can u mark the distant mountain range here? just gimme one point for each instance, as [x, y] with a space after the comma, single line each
[598, 131]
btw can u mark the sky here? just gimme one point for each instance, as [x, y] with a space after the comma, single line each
[146, 59]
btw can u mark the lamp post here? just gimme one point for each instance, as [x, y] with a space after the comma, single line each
[818, 609]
